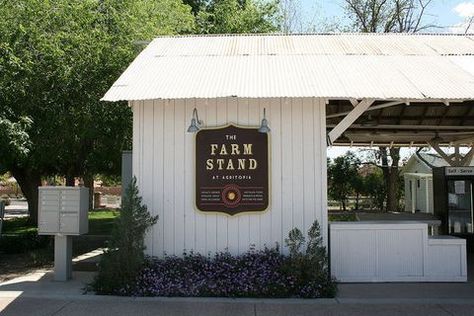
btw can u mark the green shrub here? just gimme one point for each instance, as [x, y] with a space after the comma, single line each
[125, 257]
[309, 267]
[23, 242]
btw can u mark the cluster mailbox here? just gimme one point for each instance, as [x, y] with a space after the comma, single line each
[63, 210]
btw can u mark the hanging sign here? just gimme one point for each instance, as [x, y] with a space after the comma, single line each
[232, 170]
[459, 171]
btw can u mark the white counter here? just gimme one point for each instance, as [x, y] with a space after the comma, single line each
[394, 251]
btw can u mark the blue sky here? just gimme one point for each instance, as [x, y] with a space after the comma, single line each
[441, 12]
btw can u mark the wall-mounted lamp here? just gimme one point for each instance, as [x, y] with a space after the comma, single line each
[264, 125]
[195, 122]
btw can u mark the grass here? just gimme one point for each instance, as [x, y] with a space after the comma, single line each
[18, 225]
[100, 223]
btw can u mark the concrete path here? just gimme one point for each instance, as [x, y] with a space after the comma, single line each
[38, 294]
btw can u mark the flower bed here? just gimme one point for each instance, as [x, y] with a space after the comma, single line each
[264, 273]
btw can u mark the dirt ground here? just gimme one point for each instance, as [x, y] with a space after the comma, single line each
[15, 265]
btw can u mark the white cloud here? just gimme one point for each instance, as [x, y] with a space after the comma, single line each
[465, 9]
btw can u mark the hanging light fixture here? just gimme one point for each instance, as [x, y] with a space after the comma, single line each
[264, 125]
[195, 122]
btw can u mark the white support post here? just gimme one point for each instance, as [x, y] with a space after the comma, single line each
[348, 120]
[427, 196]
[62, 257]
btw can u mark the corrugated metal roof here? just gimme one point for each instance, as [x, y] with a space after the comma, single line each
[343, 66]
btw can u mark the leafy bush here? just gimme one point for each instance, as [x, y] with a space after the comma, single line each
[24, 242]
[309, 267]
[124, 258]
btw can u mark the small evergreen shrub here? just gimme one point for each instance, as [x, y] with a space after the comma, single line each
[122, 262]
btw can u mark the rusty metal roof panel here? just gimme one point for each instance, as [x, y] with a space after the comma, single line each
[411, 67]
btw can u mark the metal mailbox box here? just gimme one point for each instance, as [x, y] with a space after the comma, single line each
[63, 210]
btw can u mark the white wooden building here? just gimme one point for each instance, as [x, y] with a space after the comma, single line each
[418, 181]
[316, 89]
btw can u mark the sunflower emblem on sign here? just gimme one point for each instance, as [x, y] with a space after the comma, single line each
[231, 195]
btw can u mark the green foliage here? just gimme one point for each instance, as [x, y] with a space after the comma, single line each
[109, 180]
[375, 189]
[14, 136]
[234, 16]
[23, 242]
[124, 258]
[342, 175]
[57, 59]
[310, 267]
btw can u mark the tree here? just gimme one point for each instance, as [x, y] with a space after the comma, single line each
[389, 16]
[375, 189]
[236, 16]
[57, 58]
[341, 174]
[358, 187]
[391, 174]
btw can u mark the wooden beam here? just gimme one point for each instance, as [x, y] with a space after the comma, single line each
[375, 107]
[348, 120]
[420, 120]
[466, 115]
[401, 115]
[411, 127]
[354, 102]
[466, 160]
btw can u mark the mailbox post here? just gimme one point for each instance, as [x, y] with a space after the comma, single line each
[63, 212]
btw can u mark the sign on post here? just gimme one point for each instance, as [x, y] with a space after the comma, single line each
[232, 170]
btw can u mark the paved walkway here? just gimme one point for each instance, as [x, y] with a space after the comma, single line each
[38, 294]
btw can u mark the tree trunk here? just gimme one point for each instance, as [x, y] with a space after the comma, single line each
[89, 183]
[390, 174]
[29, 182]
[357, 201]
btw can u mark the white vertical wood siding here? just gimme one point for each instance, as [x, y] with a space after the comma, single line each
[395, 252]
[163, 162]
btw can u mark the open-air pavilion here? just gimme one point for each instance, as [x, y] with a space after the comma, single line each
[313, 91]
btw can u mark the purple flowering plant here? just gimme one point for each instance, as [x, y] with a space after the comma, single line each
[257, 273]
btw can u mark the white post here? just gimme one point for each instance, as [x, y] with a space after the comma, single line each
[427, 195]
[413, 195]
[62, 257]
